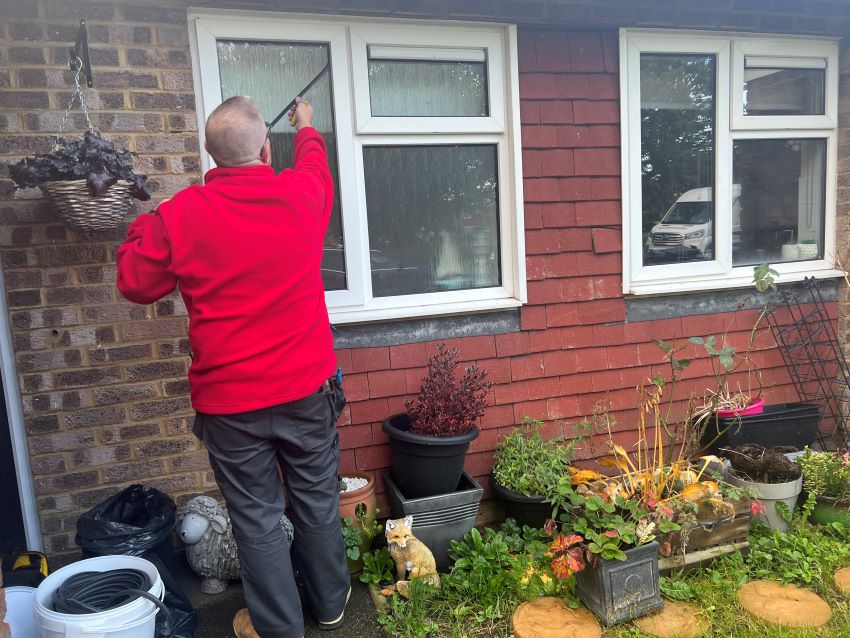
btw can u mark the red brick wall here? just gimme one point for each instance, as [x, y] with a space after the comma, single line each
[103, 381]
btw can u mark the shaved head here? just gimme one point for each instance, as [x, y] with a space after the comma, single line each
[235, 132]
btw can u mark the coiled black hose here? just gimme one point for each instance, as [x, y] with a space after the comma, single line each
[92, 592]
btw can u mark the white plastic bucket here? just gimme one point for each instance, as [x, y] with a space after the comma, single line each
[136, 619]
[19, 607]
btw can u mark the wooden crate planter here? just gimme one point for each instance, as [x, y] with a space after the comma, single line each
[698, 543]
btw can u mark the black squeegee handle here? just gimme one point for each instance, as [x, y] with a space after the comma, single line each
[301, 93]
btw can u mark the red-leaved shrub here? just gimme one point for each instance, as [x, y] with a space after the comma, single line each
[446, 405]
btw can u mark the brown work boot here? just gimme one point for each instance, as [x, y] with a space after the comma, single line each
[242, 625]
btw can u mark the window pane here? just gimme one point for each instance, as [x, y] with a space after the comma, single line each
[425, 88]
[784, 91]
[778, 207]
[433, 218]
[273, 73]
[677, 156]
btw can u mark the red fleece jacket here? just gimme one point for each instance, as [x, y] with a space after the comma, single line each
[245, 250]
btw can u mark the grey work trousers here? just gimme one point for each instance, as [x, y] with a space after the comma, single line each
[244, 451]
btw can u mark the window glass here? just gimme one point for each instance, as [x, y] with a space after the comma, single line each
[427, 88]
[677, 156]
[433, 218]
[273, 73]
[771, 91]
[778, 200]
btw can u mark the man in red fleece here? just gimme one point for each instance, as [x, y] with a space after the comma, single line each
[245, 251]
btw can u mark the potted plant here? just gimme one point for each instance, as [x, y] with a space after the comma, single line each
[770, 474]
[526, 468]
[89, 180]
[827, 476]
[608, 544]
[358, 511]
[428, 443]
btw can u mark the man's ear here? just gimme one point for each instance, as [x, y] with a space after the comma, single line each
[266, 153]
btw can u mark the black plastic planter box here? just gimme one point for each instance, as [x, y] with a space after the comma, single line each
[437, 520]
[619, 590]
[791, 424]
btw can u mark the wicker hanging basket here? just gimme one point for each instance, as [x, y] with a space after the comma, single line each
[80, 211]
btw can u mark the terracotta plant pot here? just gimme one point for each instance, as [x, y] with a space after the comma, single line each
[349, 502]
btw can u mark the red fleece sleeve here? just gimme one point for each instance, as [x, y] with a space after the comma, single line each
[143, 261]
[310, 158]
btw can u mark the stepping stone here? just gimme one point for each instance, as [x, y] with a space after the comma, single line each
[550, 618]
[786, 605]
[842, 580]
[675, 620]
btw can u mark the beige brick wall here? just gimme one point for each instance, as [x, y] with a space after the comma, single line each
[105, 395]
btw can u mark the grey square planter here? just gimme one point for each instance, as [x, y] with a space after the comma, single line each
[437, 520]
[619, 590]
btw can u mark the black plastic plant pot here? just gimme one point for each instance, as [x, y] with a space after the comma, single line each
[438, 520]
[617, 591]
[781, 424]
[425, 465]
[525, 510]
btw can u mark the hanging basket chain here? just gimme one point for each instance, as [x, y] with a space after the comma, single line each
[78, 92]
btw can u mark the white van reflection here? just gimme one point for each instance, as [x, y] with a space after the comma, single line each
[685, 233]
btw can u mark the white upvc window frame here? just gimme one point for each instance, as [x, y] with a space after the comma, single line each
[348, 40]
[730, 51]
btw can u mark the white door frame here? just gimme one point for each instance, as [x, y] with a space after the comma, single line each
[15, 413]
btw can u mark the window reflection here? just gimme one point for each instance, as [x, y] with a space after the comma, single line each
[677, 157]
[779, 216]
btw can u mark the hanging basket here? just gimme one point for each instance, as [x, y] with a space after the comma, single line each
[80, 211]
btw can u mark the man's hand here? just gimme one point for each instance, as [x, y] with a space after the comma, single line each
[301, 114]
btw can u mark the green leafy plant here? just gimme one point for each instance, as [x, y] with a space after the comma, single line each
[378, 567]
[527, 463]
[611, 525]
[359, 529]
[803, 554]
[826, 473]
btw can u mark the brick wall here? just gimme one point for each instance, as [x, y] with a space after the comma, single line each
[103, 381]
[104, 387]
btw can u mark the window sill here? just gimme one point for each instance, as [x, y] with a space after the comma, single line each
[364, 315]
[818, 269]
[393, 333]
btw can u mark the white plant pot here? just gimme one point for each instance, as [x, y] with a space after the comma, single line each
[808, 251]
[771, 494]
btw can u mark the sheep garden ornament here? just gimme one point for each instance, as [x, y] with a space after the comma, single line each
[205, 529]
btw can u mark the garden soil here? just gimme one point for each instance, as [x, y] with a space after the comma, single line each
[786, 605]
[675, 620]
[550, 618]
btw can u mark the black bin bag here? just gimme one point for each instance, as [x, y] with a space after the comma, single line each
[138, 522]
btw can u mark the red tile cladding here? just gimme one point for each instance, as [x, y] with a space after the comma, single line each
[533, 317]
[586, 52]
[386, 383]
[365, 359]
[558, 215]
[606, 240]
[597, 161]
[554, 112]
[409, 355]
[354, 436]
[527, 367]
[553, 52]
